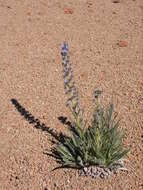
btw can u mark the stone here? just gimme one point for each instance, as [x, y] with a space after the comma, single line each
[68, 11]
[122, 43]
[116, 1]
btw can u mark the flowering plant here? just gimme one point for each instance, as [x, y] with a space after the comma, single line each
[99, 145]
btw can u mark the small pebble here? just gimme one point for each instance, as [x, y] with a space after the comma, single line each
[116, 1]
[122, 43]
[89, 4]
[85, 169]
[9, 7]
[68, 11]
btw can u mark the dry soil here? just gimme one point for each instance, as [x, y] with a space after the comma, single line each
[105, 39]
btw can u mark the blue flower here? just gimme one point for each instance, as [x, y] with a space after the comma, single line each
[64, 48]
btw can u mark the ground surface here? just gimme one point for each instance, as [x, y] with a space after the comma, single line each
[106, 50]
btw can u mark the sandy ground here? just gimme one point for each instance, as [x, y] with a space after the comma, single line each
[106, 49]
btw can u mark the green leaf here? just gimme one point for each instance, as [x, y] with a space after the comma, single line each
[99, 144]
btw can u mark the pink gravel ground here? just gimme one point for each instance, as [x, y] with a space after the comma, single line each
[106, 50]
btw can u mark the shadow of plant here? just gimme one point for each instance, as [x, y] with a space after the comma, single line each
[36, 122]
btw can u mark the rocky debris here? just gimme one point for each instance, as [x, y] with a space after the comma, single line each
[101, 172]
[95, 172]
